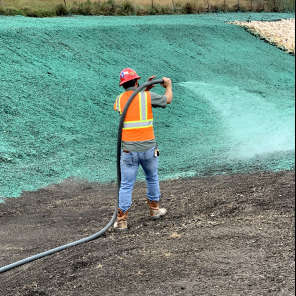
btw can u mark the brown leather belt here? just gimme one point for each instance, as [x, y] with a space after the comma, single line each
[126, 151]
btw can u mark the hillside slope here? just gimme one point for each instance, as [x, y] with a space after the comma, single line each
[233, 109]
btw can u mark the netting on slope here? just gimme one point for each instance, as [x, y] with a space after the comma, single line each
[233, 107]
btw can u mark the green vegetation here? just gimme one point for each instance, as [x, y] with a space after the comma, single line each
[38, 8]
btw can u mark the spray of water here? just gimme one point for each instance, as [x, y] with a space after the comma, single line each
[252, 124]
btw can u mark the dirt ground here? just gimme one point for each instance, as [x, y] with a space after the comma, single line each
[223, 235]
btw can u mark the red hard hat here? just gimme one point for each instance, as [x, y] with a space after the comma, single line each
[128, 74]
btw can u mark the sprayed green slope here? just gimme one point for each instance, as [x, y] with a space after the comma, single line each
[233, 108]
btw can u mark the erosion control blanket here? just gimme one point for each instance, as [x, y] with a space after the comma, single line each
[233, 108]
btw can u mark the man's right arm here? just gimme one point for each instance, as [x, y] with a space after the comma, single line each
[167, 84]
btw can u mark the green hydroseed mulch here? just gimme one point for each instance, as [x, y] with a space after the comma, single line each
[233, 108]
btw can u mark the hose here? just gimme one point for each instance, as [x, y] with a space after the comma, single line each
[111, 222]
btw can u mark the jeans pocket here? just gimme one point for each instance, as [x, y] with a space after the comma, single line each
[149, 154]
[127, 158]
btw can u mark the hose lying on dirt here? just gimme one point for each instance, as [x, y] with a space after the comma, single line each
[111, 222]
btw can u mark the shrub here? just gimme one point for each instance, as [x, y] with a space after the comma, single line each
[188, 8]
[11, 11]
[85, 8]
[127, 8]
[178, 8]
[167, 10]
[215, 8]
[61, 10]
[108, 8]
[154, 10]
[141, 11]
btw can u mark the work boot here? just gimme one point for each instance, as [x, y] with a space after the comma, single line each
[121, 223]
[155, 211]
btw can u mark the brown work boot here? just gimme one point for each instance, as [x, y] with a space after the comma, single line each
[121, 223]
[155, 211]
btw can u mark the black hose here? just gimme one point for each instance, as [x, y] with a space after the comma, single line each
[111, 222]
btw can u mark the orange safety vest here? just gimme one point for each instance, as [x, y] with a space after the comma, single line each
[138, 122]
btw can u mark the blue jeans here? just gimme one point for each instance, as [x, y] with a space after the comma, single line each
[129, 168]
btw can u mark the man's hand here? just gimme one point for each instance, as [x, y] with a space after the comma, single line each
[152, 85]
[166, 82]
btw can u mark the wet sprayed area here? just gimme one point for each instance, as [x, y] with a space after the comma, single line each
[233, 107]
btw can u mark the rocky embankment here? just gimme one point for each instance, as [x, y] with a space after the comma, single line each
[280, 33]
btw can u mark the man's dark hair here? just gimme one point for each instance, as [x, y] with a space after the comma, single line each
[130, 83]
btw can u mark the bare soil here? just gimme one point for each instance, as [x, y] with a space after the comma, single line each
[223, 235]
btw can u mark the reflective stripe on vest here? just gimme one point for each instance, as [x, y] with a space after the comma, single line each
[117, 103]
[137, 124]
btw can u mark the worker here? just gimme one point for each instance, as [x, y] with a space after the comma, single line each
[138, 143]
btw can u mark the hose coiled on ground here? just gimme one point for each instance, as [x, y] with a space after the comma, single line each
[111, 222]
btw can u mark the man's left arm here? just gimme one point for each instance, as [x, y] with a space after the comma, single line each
[158, 101]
